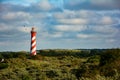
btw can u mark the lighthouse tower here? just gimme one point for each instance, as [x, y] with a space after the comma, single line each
[33, 42]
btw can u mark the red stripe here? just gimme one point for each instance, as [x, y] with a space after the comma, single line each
[33, 41]
[33, 34]
[33, 46]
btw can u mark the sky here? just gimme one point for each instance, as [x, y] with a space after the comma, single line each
[60, 24]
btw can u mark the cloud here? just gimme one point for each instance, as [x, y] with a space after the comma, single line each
[107, 20]
[105, 29]
[74, 14]
[45, 5]
[95, 36]
[41, 6]
[40, 15]
[4, 27]
[92, 4]
[57, 35]
[24, 29]
[86, 13]
[65, 14]
[110, 40]
[52, 35]
[8, 7]
[71, 28]
[27, 29]
[73, 21]
[111, 4]
[88, 17]
[80, 21]
[16, 16]
[83, 36]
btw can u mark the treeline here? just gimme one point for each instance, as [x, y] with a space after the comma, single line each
[8, 55]
[56, 52]
[73, 52]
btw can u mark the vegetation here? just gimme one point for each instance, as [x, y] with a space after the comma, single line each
[84, 64]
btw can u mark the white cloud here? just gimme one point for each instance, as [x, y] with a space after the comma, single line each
[4, 43]
[26, 29]
[75, 21]
[105, 29]
[45, 5]
[83, 36]
[106, 20]
[74, 14]
[16, 16]
[40, 15]
[109, 12]
[51, 35]
[87, 17]
[86, 13]
[65, 14]
[4, 27]
[70, 28]
[110, 40]
[59, 15]
[56, 35]
[95, 36]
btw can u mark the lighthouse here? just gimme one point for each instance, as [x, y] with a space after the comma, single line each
[33, 42]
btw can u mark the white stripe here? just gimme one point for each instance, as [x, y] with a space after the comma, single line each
[34, 49]
[35, 53]
[33, 44]
[33, 38]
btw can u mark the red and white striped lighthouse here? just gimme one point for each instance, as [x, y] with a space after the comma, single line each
[33, 42]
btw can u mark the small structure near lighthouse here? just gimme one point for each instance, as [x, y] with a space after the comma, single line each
[33, 42]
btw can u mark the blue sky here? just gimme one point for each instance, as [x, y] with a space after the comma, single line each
[60, 24]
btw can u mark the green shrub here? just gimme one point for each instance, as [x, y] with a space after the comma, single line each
[109, 62]
[108, 71]
[1, 56]
[3, 65]
[94, 59]
[36, 57]
[52, 73]
[26, 77]
[109, 56]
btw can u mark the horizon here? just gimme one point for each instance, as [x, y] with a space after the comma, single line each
[64, 49]
[60, 24]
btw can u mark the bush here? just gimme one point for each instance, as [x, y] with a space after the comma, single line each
[108, 63]
[52, 73]
[93, 59]
[26, 77]
[108, 71]
[109, 56]
[1, 56]
[3, 65]
[36, 57]
[85, 70]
